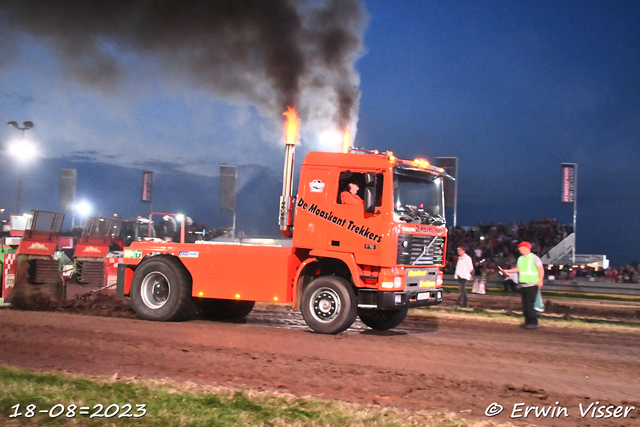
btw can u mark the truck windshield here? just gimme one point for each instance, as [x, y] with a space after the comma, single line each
[418, 197]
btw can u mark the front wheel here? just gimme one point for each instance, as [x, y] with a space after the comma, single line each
[161, 290]
[329, 305]
[381, 320]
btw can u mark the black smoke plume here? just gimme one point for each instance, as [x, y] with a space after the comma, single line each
[270, 53]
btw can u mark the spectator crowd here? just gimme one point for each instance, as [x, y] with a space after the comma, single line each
[490, 245]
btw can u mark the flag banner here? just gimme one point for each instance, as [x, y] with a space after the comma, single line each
[569, 178]
[147, 186]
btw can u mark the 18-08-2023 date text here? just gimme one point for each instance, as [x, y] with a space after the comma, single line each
[71, 411]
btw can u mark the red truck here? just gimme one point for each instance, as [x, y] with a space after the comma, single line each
[337, 261]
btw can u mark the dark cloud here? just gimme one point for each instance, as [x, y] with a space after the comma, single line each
[81, 158]
[159, 165]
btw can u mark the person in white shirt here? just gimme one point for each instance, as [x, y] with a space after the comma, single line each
[464, 271]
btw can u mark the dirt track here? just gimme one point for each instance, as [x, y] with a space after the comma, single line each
[457, 364]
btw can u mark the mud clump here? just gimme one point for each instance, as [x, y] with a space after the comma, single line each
[35, 301]
[105, 305]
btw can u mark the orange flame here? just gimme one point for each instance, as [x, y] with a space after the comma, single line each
[346, 140]
[291, 126]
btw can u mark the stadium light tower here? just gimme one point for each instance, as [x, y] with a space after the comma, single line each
[23, 151]
[84, 209]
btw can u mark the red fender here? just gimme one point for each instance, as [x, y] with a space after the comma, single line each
[347, 258]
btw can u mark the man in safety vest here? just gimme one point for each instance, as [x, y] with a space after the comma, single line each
[531, 274]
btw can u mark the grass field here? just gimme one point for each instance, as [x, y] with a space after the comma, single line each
[167, 403]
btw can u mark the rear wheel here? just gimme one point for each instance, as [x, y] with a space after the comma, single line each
[161, 290]
[329, 305]
[381, 320]
[224, 309]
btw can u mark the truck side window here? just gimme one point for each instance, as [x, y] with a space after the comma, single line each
[348, 177]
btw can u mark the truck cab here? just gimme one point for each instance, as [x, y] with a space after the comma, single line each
[395, 239]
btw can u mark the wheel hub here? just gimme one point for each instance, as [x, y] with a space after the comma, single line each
[160, 291]
[155, 290]
[325, 304]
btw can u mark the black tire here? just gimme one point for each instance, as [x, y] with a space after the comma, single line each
[161, 290]
[381, 320]
[224, 309]
[329, 305]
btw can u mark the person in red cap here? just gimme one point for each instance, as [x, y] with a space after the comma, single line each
[530, 275]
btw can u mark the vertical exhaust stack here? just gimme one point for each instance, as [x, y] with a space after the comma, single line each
[291, 135]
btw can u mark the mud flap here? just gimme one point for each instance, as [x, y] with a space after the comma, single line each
[122, 270]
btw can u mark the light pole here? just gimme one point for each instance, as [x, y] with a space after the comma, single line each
[22, 151]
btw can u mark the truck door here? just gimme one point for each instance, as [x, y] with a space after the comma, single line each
[361, 233]
[313, 209]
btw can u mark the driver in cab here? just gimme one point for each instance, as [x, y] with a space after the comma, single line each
[350, 195]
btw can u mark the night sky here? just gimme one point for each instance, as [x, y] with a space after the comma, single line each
[513, 89]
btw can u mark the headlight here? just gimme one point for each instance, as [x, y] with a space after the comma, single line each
[397, 282]
[391, 278]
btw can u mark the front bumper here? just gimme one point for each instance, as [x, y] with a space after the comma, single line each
[383, 300]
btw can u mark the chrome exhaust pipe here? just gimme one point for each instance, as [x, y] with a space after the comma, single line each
[286, 200]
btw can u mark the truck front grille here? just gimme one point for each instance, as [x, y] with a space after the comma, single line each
[420, 250]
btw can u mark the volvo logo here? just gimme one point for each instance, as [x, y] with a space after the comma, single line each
[424, 257]
[405, 244]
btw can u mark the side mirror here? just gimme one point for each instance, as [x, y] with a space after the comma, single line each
[370, 200]
[369, 178]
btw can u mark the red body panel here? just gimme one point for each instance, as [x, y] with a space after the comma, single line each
[37, 247]
[91, 250]
[111, 270]
[230, 271]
